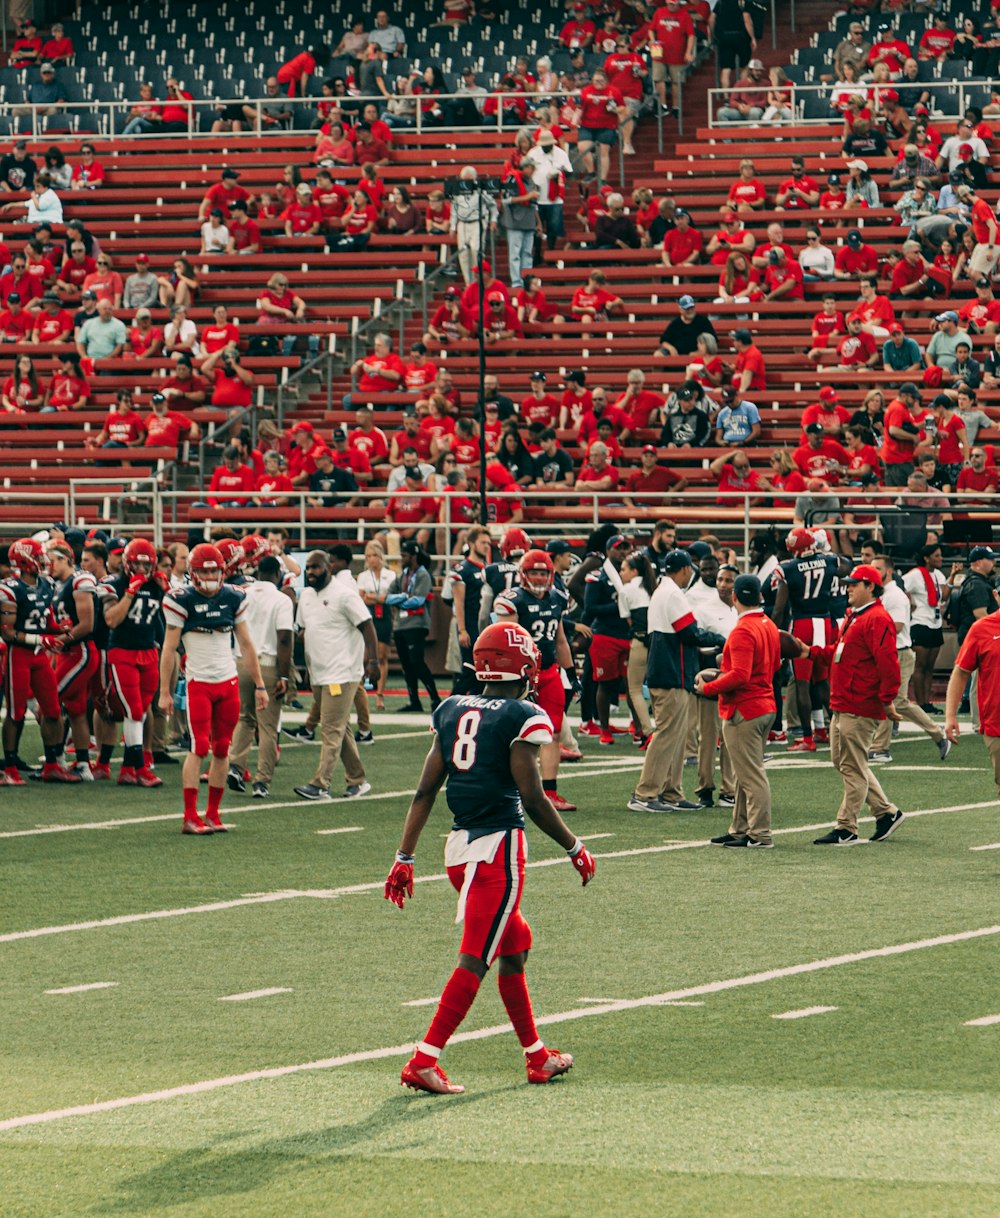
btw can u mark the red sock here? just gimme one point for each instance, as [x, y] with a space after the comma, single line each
[147, 760]
[214, 800]
[458, 996]
[517, 1000]
[190, 803]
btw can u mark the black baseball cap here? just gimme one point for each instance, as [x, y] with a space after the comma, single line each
[978, 552]
[699, 549]
[677, 560]
[339, 433]
[559, 546]
[747, 590]
[814, 429]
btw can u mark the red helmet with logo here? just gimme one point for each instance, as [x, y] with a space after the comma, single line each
[515, 543]
[206, 567]
[232, 552]
[537, 572]
[28, 555]
[505, 651]
[139, 557]
[255, 548]
[800, 541]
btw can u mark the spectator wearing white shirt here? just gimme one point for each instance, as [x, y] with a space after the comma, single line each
[815, 258]
[552, 166]
[340, 645]
[270, 618]
[214, 233]
[180, 334]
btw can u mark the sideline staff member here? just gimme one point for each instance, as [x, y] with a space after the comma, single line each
[864, 682]
[750, 658]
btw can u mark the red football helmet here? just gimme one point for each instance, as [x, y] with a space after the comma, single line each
[206, 567]
[232, 553]
[28, 555]
[515, 543]
[254, 549]
[505, 651]
[139, 557]
[537, 572]
[799, 542]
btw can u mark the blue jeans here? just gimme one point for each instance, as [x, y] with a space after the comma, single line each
[552, 221]
[288, 342]
[520, 253]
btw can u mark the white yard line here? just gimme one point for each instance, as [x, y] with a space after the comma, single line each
[992, 846]
[397, 1051]
[804, 1013]
[345, 829]
[378, 885]
[422, 1002]
[986, 1021]
[82, 989]
[250, 995]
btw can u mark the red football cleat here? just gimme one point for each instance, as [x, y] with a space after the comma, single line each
[195, 825]
[12, 777]
[101, 773]
[146, 778]
[589, 729]
[428, 1078]
[571, 755]
[606, 738]
[556, 1063]
[803, 746]
[560, 804]
[126, 776]
[821, 735]
[777, 737]
[642, 742]
[621, 731]
[52, 771]
[216, 824]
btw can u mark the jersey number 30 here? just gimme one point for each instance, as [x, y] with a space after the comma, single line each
[463, 751]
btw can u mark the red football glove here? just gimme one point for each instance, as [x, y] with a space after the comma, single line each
[162, 581]
[399, 885]
[583, 861]
[53, 642]
[135, 583]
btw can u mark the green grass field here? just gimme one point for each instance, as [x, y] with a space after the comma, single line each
[883, 1105]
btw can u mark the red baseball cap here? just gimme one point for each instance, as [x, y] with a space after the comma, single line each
[142, 257]
[865, 574]
[828, 394]
[895, 328]
[303, 425]
[492, 297]
[890, 95]
[499, 475]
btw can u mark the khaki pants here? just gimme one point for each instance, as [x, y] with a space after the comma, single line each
[163, 724]
[982, 261]
[851, 738]
[908, 710]
[707, 711]
[336, 737]
[663, 766]
[467, 236]
[637, 656]
[744, 740]
[993, 748]
[264, 722]
[363, 709]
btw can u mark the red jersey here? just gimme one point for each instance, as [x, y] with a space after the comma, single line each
[657, 481]
[591, 300]
[16, 327]
[243, 235]
[301, 216]
[67, 391]
[876, 312]
[353, 459]
[979, 314]
[979, 652]
[854, 349]
[419, 376]
[775, 276]
[303, 460]
[641, 406]
[829, 417]
[576, 406]
[672, 31]
[830, 201]
[623, 69]
[937, 43]
[819, 462]
[272, 487]
[600, 107]
[680, 244]
[751, 192]
[215, 337]
[230, 390]
[753, 359]
[435, 428]
[828, 323]
[409, 509]
[858, 459]
[74, 273]
[862, 260]
[897, 452]
[232, 485]
[806, 184]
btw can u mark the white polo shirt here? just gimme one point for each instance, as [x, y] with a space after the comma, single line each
[268, 610]
[335, 649]
[897, 605]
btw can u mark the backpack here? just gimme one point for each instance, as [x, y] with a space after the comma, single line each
[953, 609]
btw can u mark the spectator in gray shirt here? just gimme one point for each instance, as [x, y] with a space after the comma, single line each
[46, 93]
[388, 38]
[103, 336]
[142, 289]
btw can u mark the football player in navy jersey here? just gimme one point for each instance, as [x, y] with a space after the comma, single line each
[806, 588]
[468, 578]
[132, 603]
[207, 615]
[28, 628]
[75, 611]
[485, 747]
[538, 607]
[94, 561]
[502, 575]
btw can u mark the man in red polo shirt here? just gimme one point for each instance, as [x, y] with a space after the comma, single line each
[748, 373]
[978, 476]
[986, 230]
[820, 456]
[16, 322]
[979, 653]
[651, 479]
[683, 243]
[379, 372]
[854, 258]
[798, 191]
[223, 195]
[639, 405]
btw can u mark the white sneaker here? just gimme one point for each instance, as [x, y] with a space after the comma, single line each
[85, 772]
[360, 788]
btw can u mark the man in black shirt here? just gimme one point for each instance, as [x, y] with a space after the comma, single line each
[491, 394]
[977, 594]
[17, 169]
[689, 427]
[467, 582]
[681, 335]
[664, 540]
[553, 466]
[329, 483]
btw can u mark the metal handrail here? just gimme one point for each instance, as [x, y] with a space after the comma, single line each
[719, 97]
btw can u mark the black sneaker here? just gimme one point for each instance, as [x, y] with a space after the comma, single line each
[299, 733]
[311, 792]
[723, 840]
[943, 747]
[260, 790]
[705, 799]
[727, 800]
[235, 781]
[682, 805]
[364, 738]
[162, 758]
[837, 837]
[930, 709]
[885, 825]
[751, 843]
[880, 755]
[411, 708]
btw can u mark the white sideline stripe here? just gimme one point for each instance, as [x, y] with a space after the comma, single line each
[993, 846]
[251, 994]
[378, 886]
[985, 1021]
[604, 1008]
[422, 1002]
[804, 1013]
[345, 829]
[81, 989]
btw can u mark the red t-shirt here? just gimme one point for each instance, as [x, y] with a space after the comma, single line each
[856, 349]
[360, 218]
[419, 376]
[223, 197]
[409, 509]
[124, 428]
[244, 235]
[806, 184]
[74, 273]
[230, 390]
[544, 410]
[302, 216]
[865, 455]
[140, 343]
[232, 485]
[747, 192]
[937, 43]
[949, 450]
[727, 243]
[372, 443]
[272, 487]
[589, 474]
[876, 312]
[214, 337]
[588, 426]
[640, 407]
[353, 459]
[65, 391]
[897, 452]
[600, 107]
[421, 443]
[576, 406]
[979, 653]
[753, 359]
[982, 214]
[829, 416]
[730, 486]
[680, 244]
[859, 261]
[827, 323]
[303, 460]
[660, 479]
[829, 201]
[775, 276]
[905, 273]
[16, 327]
[620, 67]
[586, 300]
[435, 428]
[815, 462]
[978, 314]
[375, 382]
[165, 430]
[672, 31]
[50, 325]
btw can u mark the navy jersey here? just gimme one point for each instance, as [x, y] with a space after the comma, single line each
[32, 604]
[600, 606]
[813, 584]
[475, 735]
[503, 575]
[473, 576]
[206, 625]
[142, 627]
[539, 616]
[64, 602]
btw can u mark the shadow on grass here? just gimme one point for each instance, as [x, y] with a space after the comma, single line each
[213, 1171]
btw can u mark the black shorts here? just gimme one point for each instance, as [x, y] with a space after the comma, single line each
[383, 624]
[926, 636]
[597, 135]
[732, 48]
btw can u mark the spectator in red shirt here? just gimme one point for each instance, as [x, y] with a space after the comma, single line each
[983, 312]
[737, 479]
[602, 110]
[539, 406]
[863, 465]
[682, 245]
[369, 439]
[175, 114]
[244, 233]
[625, 71]
[379, 372]
[450, 323]
[333, 147]
[185, 390]
[223, 195]
[829, 322]
[409, 508]
[302, 455]
[220, 332]
[876, 312]
[501, 322]
[232, 482]
[730, 236]
[145, 115]
[295, 73]
[828, 413]
[672, 35]
[302, 218]
[74, 271]
[749, 371]
[58, 49]
[19, 279]
[820, 456]
[410, 437]
[273, 484]
[595, 302]
[166, 428]
[599, 409]
[856, 349]
[639, 405]
[105, 281]
[978, 476]
[280, 306]
[936, 43]
[27, 48]
[233, 382]
[51, 324]
[597, 473]
[69, 390]
[23, 391]
[16, 321]
[747, 193]
[855, 258]
[345, 456]
[419, 372]
[88, 173]
[144, 339]
[797, 191]
[123, 427]
[782, 277]
[651, 478]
